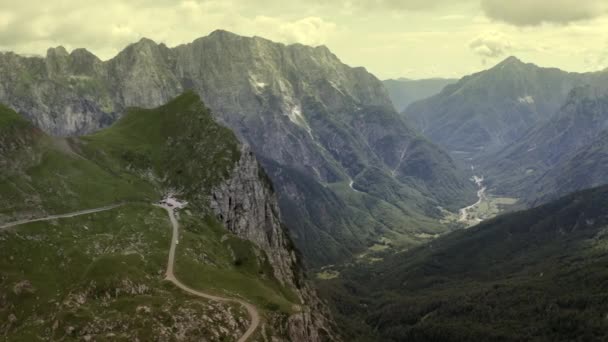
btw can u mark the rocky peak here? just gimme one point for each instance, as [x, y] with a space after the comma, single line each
[57, 52]
[83, 62]
[143, 75]
[223, 34]
[57, 61]
[144, 49]
[145, 43]
[511, 60]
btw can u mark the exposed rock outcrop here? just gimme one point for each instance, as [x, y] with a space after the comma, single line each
[247, 206]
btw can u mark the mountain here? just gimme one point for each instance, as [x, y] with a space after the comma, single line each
[86, 258]
[564, 155]
[404, 92]
[348, 171]
[535, 275]
[489, 110]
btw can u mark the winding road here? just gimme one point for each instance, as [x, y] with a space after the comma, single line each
[170, 276]
[54, 217]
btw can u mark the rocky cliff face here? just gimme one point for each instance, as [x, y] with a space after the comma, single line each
[247, 206]
[347, 169]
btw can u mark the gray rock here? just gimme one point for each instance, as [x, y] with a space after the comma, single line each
[247, 206]
[310, 119]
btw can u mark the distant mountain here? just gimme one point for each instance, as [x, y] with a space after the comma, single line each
[536, 275]
[563, 155]
[403, 91]
[492, 109]
[101, 273]
[347, 169]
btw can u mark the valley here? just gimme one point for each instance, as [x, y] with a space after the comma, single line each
[488, 282]
[465, 213]
[487, 206]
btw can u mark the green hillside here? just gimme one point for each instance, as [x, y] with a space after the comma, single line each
[536, 275]
[101, 275]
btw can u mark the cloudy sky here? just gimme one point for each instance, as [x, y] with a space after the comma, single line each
[391, 38]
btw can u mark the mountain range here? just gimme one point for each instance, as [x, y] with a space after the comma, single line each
[534, 133]
[347, 169]
[487, 111]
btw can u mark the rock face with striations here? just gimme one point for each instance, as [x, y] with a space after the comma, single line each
[246, 205]
[347, 169]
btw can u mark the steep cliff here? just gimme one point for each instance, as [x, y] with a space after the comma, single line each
[246, 205]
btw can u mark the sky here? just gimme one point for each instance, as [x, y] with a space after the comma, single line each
[391, 38]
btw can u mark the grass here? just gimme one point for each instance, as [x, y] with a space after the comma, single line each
[211, 258]
[102, 274]
[401, 226]
[96, 275]
[179, 142]
[10, 118]
[54, 181]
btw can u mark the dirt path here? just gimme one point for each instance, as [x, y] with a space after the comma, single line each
[170, 276]
[54, 217]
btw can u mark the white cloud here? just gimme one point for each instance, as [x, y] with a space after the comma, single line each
[491, 45]
[536, 12]
[398, 4]
[107, 27]
[309, 31]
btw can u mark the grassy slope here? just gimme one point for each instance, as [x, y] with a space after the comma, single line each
[534, 275]
[98, 275]
[40, 174]
[184, 149]
[179, 141]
